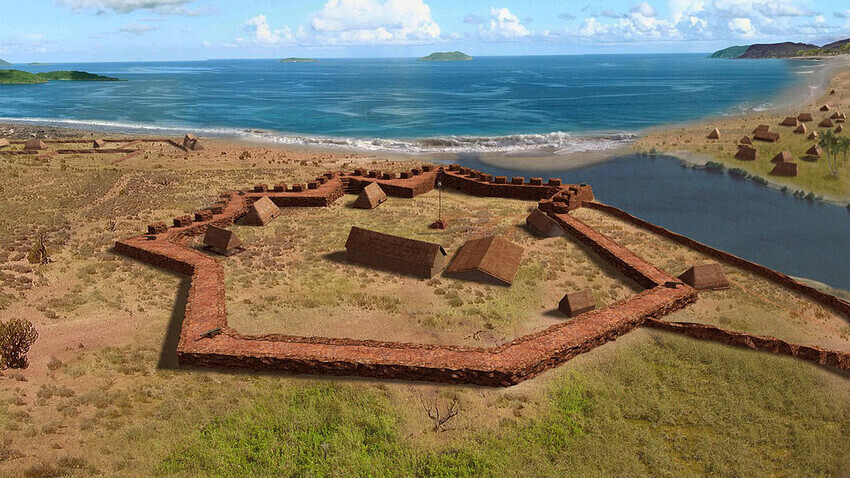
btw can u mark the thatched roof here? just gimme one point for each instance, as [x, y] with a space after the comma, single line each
[814, 135]
[789, 121]
[35, 144]
[261, 212]
[761, 127]
[746, 153]
[705, 277]
[389, 248]
[836, 115]
[805, 117]
[768, 136]
[826, 123]
[784, 156]
[814, 151]
[825, 108]
[543, 225]
[370, 197]
[221, 241]
[801, 129]
[98, 143]
[839, 129]
[487, 259]
[715, 134]
[784, 169]
[746, 140]
[576, 303]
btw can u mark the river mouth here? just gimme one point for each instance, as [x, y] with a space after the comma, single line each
[797, 237]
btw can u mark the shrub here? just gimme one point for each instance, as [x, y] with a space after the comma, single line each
[16, 337]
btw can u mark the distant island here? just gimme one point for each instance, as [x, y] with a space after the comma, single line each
[18, 77]
[446, 56]
[34, 63]
[4, 62]
[784, 50]
[298, 60]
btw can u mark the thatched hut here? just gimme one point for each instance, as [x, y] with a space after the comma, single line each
[715, 134]
[784, 168]
[395, 253]
[762, 128]
[746, 140]
[487, 259]
[841, 118]
[814, 152]
[766, 136]
[543, 225]
[747, 153]
[801, 129]
[784, 156]
[826, 123]
[814, 135]
[222, 241]
[98, 143]
[576, 303]
[34, 144]
[705, 277]
[805, 117]
[835, 115]
[839, 129]
[370, 197]
[825, 108]
[789, 121]
[261, 212]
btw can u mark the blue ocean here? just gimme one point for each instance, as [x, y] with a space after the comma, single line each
[465, 109]
[573, 103]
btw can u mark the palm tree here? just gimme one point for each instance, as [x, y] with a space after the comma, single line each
[831, 144]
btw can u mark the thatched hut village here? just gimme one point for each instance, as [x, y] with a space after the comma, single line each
[826, 123]
[789, 121]
[825, 108]
[801, 129]
[746, 140]
[805, 117]
[766, 136]
[715, 134]
[761, 127]
[394, 253]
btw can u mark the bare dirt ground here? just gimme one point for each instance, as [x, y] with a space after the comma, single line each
[102, 396]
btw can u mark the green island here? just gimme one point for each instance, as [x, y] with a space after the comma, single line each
[298, 60]
[18, 77]
[446, 56]
[784, 50]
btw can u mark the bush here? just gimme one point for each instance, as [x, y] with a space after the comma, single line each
[16, 337]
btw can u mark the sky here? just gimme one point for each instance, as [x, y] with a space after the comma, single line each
[151, 30]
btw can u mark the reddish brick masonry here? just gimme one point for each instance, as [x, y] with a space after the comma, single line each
[503, 365]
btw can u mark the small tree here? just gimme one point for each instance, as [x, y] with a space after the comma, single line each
[832, 145]
[16, 337]
[38, 252]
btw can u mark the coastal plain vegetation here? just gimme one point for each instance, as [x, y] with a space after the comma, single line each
[813, 176]
[103, 395]
[19, 77]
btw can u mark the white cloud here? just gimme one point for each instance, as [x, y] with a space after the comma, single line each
[263, 34]
[503, 26]
[123, 6]
[644, 9]
[742, 27]
[782, 9]
[137, 28]
[374, 21]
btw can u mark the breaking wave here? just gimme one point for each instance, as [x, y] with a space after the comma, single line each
[558, 142]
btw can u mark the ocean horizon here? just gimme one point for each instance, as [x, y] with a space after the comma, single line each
[565, 104]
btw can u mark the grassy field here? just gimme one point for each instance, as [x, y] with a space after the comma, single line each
[813, 176]
[103, 397]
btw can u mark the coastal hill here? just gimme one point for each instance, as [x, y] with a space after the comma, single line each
[298, 60]
[4, 62]
[18, 77]
[446, 56]
[783, 50]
